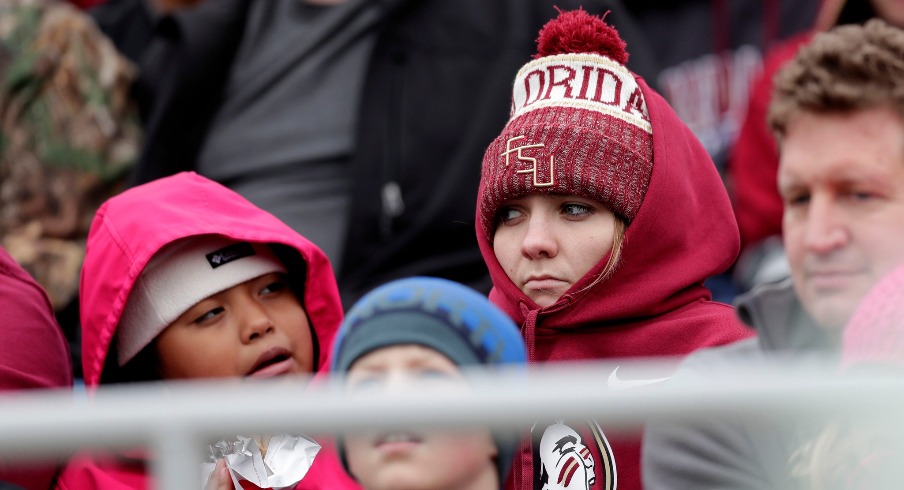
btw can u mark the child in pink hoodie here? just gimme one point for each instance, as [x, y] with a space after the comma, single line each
[184, 278]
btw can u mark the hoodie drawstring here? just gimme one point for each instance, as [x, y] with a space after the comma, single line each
[525, 448]
[528, 331]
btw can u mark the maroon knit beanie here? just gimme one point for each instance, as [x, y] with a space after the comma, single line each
[579, 124]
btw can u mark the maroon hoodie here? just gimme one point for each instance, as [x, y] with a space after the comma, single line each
[653, 305]
[33, 352]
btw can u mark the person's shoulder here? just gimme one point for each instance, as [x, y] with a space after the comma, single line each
[720, 359]
[765, 301]
[742, 349]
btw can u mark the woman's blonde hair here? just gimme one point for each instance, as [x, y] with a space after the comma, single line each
[618, 241]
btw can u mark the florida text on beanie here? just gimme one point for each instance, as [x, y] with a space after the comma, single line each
[579, 124]
[179, 276]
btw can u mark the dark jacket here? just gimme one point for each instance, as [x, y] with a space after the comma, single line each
[436, 93]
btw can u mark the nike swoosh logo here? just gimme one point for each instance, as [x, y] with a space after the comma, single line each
[617, 383]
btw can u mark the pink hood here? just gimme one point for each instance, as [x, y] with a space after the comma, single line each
[124, 237]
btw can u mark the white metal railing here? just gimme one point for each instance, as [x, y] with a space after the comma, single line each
[175, 421]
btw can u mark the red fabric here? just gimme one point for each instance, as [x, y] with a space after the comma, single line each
[103, 471]
[33, 354]
[753, 162]
[86, 4]
[121, 241]
[33, 349]
[116, 472]
[579, 32]
[655, 303]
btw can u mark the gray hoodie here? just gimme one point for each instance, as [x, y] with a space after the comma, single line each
[740, 452]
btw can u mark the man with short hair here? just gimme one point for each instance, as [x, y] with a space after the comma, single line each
[838, 115]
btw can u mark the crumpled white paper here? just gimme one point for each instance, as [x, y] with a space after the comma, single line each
[287, 461]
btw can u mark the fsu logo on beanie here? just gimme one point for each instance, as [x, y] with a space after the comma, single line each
[579, 124]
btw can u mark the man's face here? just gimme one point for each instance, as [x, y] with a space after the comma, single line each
[841, 177]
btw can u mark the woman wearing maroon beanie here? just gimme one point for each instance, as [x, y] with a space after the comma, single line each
[599, 216]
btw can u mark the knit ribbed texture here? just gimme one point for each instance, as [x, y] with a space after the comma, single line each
[875, 333]
[437, 313]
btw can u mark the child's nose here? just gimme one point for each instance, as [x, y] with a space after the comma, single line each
[256, 323]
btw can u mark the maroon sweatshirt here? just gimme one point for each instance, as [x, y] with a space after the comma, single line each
[654, 304]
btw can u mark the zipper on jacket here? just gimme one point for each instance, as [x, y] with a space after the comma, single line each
[393, 205]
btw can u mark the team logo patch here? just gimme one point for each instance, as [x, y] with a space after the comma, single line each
[573, 456]
[516, 146]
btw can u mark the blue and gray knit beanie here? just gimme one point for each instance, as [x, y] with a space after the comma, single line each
[439, 314]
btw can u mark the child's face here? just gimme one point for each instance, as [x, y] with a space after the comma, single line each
[416, 459]
[546, 243]
[257, 328]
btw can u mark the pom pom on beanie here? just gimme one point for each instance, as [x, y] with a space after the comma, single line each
[579, 32]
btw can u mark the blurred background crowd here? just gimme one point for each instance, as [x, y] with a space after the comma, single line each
[378, 162]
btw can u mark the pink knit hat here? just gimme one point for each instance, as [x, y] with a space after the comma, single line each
[579, 124]
[875, 332]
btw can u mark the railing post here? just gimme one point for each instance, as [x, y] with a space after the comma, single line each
[176, 459]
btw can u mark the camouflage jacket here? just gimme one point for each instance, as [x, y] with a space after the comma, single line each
[68, 135]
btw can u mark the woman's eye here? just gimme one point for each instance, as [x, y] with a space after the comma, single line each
[576, 209]
[208, 315]
[506, 215]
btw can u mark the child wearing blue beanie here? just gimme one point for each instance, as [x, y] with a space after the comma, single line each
[424, 330]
